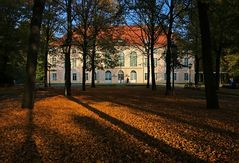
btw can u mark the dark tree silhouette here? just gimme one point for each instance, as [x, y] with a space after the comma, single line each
[210, 81]
[67, 45]
[33, 47]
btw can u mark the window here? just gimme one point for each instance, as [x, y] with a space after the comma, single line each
[120, 75]
[155, 62]
[121, 59]
[185, 62]
[74, 51]
[54, 76]
[165, 76]
[175, 76]
[107, 75]
[145, 76]
[156, 76]
[133, 75]
[145, 62]
[133, 59]
[73, 63]
[86, 76]
[53, 61]
[185, 76]
[74, 76]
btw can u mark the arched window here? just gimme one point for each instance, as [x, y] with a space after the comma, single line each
[107, 75]
[133, 75]
[133, 59]
[121, 59]
[120, 75]
[73, 51]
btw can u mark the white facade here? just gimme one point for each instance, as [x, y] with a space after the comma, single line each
[133, 67]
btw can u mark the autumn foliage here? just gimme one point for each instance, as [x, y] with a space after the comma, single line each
[118, 124]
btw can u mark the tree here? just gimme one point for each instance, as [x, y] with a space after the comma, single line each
[13, 28]
[210, 82]
[105, 14]
[191, 39]
[174, 10]
[145, 15]
[143, 45]
[223, 16]
[84, 11]
[67, 47]
[33, 47]
[50, 25]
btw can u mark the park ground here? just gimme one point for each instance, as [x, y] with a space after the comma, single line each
[118, 124]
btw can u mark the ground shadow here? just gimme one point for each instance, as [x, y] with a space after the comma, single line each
[175, 153]
[133, 104]
[115, 144]
[28, 151]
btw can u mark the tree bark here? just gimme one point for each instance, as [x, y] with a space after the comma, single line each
[148, 68]
[168, 54]
[218, 63]
[84, 63]
[93, 62]
[46, 54]
[33, 47]
[68, 52]
[152, 61]
[196, 69]
[152, 41]
[210, 82]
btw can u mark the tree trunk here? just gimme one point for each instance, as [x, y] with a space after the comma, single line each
[218, 63]
[168, 68]
[68, 72]
[173, 70]
[33, 47]
[68, 52]
[84, 64]
[46, 54]
[210, 82]
[93, 63]
[152, 62]
[4, 77]
[196, 69]
[148, 68]
[168, 54]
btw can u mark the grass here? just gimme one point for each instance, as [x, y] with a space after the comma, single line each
[118, 124]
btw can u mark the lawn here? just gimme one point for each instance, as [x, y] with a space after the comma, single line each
[118, 124]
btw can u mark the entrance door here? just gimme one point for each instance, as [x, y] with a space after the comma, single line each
[108, 77]
[133, 77]
[120, 76]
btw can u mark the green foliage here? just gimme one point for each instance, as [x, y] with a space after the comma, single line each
[13, 34]
[224, 25]
[230, 64]
[40, 68]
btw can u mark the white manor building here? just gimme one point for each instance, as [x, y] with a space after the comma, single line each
[133, 65]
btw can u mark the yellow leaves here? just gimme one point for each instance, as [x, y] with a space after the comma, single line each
[108, 124]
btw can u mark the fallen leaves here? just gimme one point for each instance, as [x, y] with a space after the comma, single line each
[123, 125]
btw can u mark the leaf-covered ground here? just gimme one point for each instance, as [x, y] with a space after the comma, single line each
[114, 124]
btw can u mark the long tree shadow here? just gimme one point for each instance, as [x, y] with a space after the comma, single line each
[134, 106]
[144, 137]
[28, 151]
[114, 143]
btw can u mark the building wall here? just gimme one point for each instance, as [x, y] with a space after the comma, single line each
[57, 71]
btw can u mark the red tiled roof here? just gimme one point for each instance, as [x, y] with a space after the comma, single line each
[132, 35]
